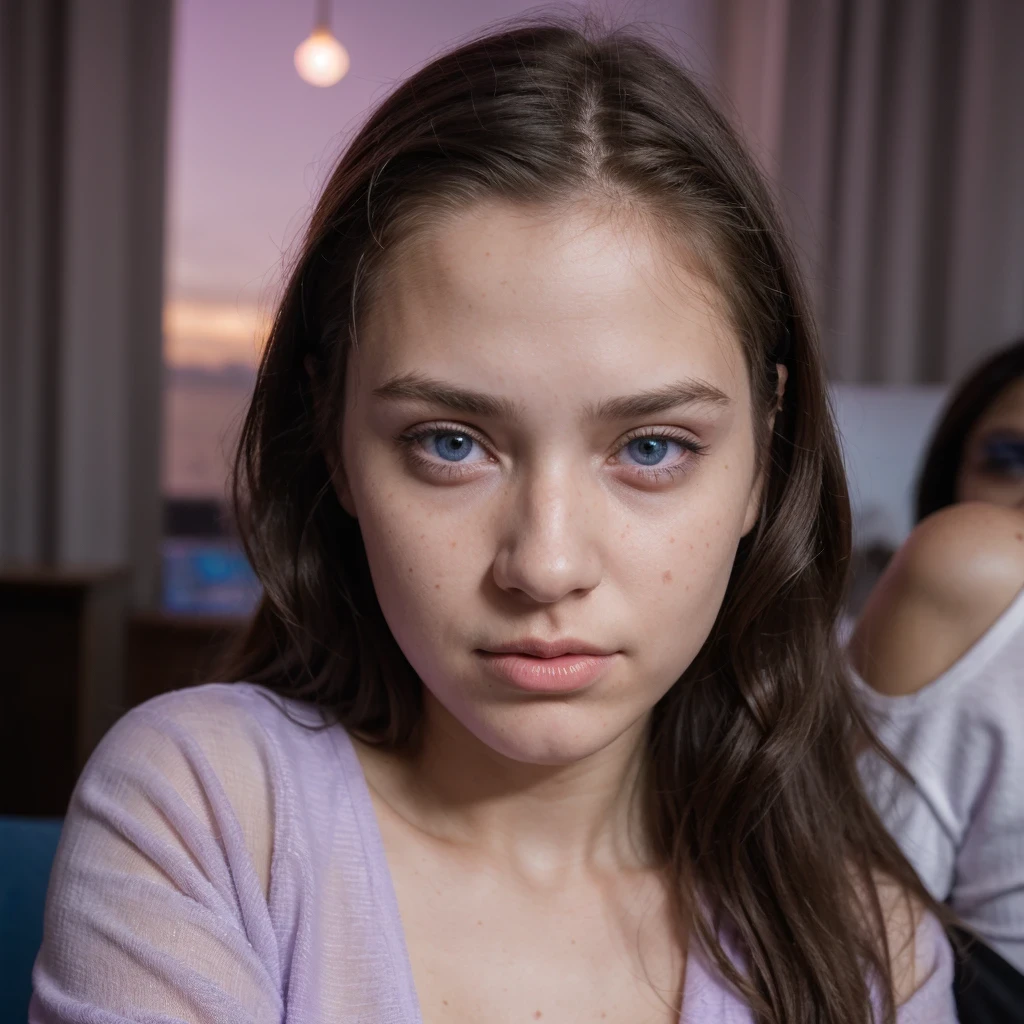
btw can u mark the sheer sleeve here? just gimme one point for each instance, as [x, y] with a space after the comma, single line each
[932, 1002]
[158, 901]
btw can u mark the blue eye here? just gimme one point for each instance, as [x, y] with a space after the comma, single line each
[648, 451]
[452, 447]
[1003, 455]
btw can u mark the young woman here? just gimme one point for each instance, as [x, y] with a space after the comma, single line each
[542, 716]
[941, 644]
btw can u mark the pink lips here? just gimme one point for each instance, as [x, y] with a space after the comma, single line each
[539, 666]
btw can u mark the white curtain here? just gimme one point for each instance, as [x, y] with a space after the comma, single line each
[894, 130]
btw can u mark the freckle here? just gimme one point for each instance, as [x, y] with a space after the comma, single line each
[453, 544]
[423, 536]
[573, 941]
[410, 568]
[479, 922]
[1019, 536]
[437, 586]
[445, 1001]
[671, 540]
[537, 1015]
[666, 576]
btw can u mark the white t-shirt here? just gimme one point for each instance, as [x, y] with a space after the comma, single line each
[961, 822]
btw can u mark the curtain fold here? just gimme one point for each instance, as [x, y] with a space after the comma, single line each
[894, 130]
[83, 122]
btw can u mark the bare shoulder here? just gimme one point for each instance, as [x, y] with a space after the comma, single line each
[969, 555]
[954, 576]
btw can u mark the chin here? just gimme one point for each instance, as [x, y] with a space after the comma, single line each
[547, 732]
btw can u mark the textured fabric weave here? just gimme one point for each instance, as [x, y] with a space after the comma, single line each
[960, 822]
[222, 864]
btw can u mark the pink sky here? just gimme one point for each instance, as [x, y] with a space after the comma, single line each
[251, 142]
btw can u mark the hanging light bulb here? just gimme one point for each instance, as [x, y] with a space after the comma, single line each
[320, 59]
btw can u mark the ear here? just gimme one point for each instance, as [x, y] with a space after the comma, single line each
[332, 453]
[754, 504]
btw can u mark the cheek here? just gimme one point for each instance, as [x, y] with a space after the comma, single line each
[973, 486]
[423, 561]
[410, 552]
[679, 566]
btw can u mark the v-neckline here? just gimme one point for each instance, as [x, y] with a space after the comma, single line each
[704, 997]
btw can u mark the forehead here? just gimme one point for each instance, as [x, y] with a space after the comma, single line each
[1007, 407]
[517, 294]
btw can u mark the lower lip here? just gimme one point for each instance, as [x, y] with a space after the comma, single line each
[564, 674]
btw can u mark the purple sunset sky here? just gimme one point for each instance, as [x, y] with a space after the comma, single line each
[251, 142]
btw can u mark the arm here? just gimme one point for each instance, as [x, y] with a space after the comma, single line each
[957, 572]
[954, 577]
[157, 906]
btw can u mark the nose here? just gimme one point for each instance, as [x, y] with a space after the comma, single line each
[552, 546]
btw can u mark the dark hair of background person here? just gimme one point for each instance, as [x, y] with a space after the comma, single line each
[753, 801]
[936, 484]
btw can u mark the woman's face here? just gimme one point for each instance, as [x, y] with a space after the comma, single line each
[992, 469]
[548, 443]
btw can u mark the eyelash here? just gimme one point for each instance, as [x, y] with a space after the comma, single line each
[409, 440]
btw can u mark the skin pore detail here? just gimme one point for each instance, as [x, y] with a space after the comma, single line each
[549, 445]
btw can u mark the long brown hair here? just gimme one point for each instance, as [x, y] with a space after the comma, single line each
[753, 798]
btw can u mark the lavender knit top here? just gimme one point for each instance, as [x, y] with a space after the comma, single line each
[222, 864]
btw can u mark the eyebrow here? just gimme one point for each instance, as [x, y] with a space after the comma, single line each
[690, 391]
[416, 387]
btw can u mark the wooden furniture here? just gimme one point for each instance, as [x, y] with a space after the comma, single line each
[61, 677]
[73, 659]
[168, 652]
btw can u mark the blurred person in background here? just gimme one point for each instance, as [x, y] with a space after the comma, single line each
[940, 645]
[977, 451]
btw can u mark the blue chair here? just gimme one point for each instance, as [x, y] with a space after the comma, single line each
[27, 847]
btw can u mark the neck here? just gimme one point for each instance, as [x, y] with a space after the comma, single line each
[540, 820]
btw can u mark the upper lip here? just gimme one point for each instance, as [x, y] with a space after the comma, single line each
[548, 648]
